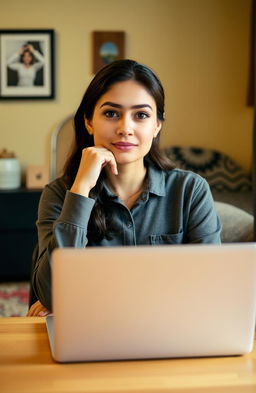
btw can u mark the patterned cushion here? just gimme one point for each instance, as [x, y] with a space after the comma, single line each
[221, 172]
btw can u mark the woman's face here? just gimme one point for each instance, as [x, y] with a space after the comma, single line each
[27, 58]
[125, 121]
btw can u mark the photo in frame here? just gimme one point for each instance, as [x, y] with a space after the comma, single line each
[108, 46]
[27, 64]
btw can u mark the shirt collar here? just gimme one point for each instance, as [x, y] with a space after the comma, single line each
[155, 183]
[107, 190]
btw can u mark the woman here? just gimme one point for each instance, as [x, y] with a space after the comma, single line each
[24, 63]
[118, 188]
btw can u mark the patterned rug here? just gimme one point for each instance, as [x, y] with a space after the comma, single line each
[14, 299]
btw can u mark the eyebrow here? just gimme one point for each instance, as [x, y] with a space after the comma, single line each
[114, 105]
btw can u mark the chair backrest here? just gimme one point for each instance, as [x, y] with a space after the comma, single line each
[61, 145]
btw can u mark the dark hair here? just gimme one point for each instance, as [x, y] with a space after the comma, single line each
[30, 53]
[117, 71]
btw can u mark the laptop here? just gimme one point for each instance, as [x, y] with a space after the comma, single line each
[152, 302]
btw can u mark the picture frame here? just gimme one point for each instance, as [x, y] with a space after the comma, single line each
[107, 47]
[37, 176]
[27, 64]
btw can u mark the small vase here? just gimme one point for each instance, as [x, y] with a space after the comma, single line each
[10, 173]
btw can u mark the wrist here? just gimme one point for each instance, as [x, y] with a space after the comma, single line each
[80, 189]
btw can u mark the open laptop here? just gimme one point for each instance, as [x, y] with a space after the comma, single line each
[152, 302]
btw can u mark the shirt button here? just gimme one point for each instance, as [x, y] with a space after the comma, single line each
[144, 196]
[129, 224]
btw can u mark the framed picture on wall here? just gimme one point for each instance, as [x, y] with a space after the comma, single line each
[107, 47]
[27, 64]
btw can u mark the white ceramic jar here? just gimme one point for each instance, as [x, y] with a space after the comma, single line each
[10, 173]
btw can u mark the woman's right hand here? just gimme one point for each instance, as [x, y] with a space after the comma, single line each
[21, 50]
[30, 48]
[92, 161]
[38, 310]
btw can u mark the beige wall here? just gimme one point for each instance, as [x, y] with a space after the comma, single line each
[199, 48]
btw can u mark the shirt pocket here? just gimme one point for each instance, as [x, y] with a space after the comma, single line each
[176, 238]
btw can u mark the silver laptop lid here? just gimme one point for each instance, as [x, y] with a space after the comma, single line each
[153, 302]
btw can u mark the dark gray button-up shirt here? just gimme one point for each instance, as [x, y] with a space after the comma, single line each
[175, 207]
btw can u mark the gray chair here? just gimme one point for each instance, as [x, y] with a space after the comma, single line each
[61, 145]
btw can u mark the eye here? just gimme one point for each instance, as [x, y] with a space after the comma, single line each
[142, 115]
[111, 114]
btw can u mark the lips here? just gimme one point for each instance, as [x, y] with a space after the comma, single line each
[124, 146]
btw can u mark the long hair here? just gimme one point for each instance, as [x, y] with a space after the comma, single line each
[117, 71]
[31, 55]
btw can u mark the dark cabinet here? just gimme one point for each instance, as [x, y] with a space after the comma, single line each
[18, 235]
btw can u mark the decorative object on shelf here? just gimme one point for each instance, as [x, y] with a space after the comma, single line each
[107, 47]
[26, 64]
[37, 176]
[10, 171]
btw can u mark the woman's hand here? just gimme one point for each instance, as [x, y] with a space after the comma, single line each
[30, 48]
[38, 310]
[21, 50]
[93, 160]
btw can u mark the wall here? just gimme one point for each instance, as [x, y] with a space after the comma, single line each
[199, 49]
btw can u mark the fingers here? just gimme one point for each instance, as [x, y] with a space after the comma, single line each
[106, 157]
[37, 310]
[112, 163]
[93, 160]
[113, 167]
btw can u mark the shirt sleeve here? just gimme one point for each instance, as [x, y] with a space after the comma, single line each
[62, 222]
[13, 62]
[203, 224]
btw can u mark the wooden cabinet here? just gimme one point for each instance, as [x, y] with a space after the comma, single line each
[18, 235]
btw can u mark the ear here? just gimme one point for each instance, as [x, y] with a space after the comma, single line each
[88, 126]
[158, 128]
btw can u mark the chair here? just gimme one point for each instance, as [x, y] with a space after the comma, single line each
[229, 183]
[231, 188]
[61, 145]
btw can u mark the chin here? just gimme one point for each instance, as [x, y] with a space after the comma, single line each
[128, 160]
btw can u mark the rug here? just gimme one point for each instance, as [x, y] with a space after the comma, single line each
[14, 299]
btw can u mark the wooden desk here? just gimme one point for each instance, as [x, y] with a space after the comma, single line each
[26, 366]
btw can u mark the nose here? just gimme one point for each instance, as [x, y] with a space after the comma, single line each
[125, 126]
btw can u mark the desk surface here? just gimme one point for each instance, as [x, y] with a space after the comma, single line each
[26, 366]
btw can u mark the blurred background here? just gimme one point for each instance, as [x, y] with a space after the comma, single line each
[200, 49]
